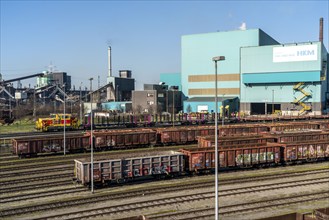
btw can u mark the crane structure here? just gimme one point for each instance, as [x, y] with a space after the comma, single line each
[6, 114]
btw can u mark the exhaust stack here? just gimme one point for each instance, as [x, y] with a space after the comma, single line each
[321, 30]
[109, 61]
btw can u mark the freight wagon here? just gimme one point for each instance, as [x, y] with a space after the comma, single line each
[209, 141]
[306, 151]
[24, 147]
[287, 137]
[293, 126]
[138, 137]
[183, 135]
[155, 165]
[117, 139]
[231, 130]
[203, 159]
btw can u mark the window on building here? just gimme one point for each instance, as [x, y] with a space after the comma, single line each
[150, 94]
[160, 95]
[150, 102]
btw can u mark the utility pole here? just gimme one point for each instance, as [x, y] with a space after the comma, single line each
[173, 108]
[64, 121]
[34, 107]
[216, 59]
[91, 140]
[80, 105]
[272, 104]
[223, 110]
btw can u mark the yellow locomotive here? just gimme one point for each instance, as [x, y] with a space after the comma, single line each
[56, 122]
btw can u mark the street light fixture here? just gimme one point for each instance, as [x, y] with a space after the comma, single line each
[215, 59]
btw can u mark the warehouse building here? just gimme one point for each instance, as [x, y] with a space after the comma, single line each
[258, 76]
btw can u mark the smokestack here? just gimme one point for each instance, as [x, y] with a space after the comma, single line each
[109, 61]
[321, 30]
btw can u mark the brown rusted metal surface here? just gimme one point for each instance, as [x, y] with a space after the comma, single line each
[293, 126]
[310, 150]
[31, 146]
[209, 141]
[183, 135]
[233, 156]
[115, 139]
[299, 136]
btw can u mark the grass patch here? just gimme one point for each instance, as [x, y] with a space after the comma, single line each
[23, 125]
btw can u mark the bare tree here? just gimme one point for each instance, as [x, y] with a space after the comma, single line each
[151, 109]
[188, 108]
[159, 109]
[139, 109]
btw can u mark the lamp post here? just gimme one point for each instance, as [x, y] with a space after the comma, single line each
[64, 121]
[272, 104]
[91, 140]
[80, 105]
[34, 107]
[173, 108]
[223, 110]
[167, 100]
[215, 59]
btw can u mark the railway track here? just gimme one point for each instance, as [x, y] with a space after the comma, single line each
[37, 185]
[229, 210]
[165, 189]
[36, 195]
[128, 207]
[6, 199]
[28, 172]
[24, 167]
[22, 163]
[35, 179]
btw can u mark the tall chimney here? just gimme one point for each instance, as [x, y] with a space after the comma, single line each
[109, 61]
[321, 30]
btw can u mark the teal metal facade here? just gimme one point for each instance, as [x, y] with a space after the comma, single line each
[197, 53]
[194, 105]
[171, 79]
[257, 70]
[268, 79]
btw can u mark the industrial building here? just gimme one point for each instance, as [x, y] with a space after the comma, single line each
[50, 78]
[258, 76]
[157, 99]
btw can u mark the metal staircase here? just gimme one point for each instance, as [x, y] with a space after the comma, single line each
[300, 100]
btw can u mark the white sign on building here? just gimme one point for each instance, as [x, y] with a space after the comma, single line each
[295, 53]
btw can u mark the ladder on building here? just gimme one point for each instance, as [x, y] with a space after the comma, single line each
[300, 100]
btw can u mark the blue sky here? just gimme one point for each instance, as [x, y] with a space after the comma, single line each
[145, 36]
